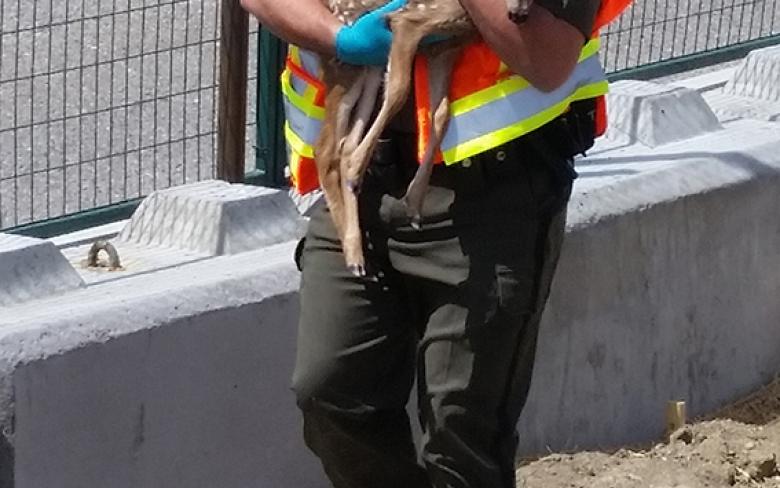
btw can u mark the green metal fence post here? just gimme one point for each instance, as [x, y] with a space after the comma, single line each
[271, 154]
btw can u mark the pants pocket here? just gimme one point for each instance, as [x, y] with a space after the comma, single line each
[515, 290]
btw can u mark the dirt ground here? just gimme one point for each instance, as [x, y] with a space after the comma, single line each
[737, 446]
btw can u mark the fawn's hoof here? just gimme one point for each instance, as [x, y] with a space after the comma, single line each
[416, 222]
[414, 212]
[357, 270]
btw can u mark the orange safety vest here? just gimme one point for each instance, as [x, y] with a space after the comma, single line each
[490, 104]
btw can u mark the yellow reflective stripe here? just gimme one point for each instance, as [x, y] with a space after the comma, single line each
[508, 86]
[294, 54]
[591, 47]
[493, 139]
[297, 144]
[483, 97]
[295, 162]
[301, 102]
[311, 94]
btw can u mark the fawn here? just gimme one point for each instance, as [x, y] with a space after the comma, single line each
[342, 152]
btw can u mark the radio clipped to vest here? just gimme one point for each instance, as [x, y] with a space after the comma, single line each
[572, 134]
[577, 128]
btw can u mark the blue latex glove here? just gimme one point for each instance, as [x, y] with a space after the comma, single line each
[367, 41]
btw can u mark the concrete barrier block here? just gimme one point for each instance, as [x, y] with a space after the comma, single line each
[215, 218]
[654, 115]
[305, 203]
[709, 81]
[174, 378]
[757, 76]
[732, 107]
[32, 268]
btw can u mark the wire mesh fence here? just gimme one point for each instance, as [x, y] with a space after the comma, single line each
[653, 31]
[103, 101]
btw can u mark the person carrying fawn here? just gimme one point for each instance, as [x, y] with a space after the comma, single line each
[452, 304]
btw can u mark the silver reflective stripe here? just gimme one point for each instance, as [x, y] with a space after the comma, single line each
[308, 129]
[298, 84]
[516, 107]
[310, 62]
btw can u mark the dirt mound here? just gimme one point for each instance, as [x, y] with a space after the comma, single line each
[737, 446]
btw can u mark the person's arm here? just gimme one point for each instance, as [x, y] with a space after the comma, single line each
[544, 49]
[310, 25]
[306, 23]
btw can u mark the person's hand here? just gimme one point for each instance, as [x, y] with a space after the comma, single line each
[368, 40]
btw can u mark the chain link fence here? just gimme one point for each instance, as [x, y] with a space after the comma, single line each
[657, 31]
[104, 101]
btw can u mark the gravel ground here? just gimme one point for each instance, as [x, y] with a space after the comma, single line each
[737, 446]
[106, 100]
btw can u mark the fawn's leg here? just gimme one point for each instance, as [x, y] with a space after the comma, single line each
[341, 81]
[406, 37]
[363, 111]
[439, 74]
[351, 98]
[352, 239]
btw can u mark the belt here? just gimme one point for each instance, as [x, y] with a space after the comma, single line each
[395, 162]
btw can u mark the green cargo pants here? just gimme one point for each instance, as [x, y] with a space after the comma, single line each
[455, 305]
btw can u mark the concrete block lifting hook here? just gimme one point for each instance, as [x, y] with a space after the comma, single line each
[114, 263]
